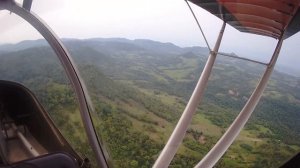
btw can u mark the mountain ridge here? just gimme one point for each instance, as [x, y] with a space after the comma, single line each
[143, 44]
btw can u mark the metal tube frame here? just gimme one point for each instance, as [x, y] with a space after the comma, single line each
[178, 134]
[233, 131]
[25, 142]
[70, 69]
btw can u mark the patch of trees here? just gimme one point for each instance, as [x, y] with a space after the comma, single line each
[281, 118]
[128, 148]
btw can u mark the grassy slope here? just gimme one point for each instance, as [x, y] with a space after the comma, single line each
[239, 155]
[149, 112]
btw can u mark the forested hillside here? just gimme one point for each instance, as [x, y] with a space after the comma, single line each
[139, 89]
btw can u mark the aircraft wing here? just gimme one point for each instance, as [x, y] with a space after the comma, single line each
[264, 17]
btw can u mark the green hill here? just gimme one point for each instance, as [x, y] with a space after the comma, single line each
[139, 89]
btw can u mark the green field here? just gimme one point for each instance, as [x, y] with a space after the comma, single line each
[139, 92]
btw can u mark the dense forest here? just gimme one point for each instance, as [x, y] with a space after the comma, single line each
[139, 89]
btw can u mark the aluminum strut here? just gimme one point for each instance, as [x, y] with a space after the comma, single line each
[71, 71]
[25, 142]
[178, 133]
[233, 131]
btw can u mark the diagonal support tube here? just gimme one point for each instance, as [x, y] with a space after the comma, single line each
[233, 131]
[178, 134]
[25, 142]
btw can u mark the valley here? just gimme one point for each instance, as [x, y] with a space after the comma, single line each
[139, 89]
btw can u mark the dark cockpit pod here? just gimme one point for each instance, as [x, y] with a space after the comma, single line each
[26, 129]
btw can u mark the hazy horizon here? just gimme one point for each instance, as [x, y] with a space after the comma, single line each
[164, 21]
[280, 67]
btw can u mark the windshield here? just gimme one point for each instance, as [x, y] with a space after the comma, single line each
[33, 64]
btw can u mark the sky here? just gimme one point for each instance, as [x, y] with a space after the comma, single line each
[160, 20]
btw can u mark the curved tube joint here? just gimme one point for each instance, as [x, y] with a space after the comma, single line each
[178, 134]
[233, 131]
[71, 70]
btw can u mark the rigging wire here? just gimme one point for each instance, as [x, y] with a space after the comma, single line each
[220, 53]
[198, 25]
[241, 58]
